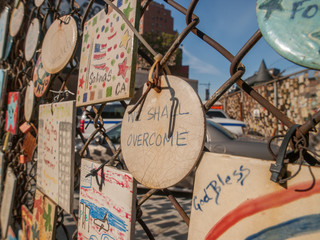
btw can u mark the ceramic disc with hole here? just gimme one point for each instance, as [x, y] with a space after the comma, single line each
[166, 142]
[38, 3]
[16, 19]
[59, 44]
[29, 102]
[41, 79]
[32, 39]
[292, 29]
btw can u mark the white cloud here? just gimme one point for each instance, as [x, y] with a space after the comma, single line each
[199, 66]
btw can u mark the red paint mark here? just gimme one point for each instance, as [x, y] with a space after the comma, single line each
[119, 210]
[107, 20]
[112, 29]
[115, 46]
[131, 20]
[109, 49]
[122, 54]
[85, 69]
[99, 56]
[98, 36]
[253, 206]
[107, 69]
[112, 36]
[88, 46]
[38, 207]
[90, 87]
[103, 84]
[127, 80]
[103, 46]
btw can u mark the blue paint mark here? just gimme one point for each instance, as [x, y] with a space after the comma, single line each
[292, 228]
[93, 237]
[85, 96]
[100, 212]
[106, 237]
[119, 4]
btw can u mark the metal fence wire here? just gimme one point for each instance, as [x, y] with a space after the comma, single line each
[20, 73]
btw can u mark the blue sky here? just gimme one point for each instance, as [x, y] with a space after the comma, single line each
[231, 23]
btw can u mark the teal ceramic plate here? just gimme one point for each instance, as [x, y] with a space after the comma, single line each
[292, 28]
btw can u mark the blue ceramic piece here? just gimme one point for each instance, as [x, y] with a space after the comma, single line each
[8, 47]
[291, 27]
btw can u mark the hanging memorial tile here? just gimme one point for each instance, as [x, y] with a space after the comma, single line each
[41, 79]
[26, 224]
[32, 39]
[56, 139]
[59, 44]
[12, 116]
[109, 213]
[163, 146]
[233, 198]
[292, 29]
[2, 161]
[38, 3]
[8, 47]
[29, 102]
[44, 217]
[16, 19]
[3, 87]
[108, 56]
[7, 201]
[3, 30]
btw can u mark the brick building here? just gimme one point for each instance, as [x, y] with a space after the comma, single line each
[156, 19]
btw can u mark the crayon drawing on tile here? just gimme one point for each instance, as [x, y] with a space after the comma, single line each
[44, 217]
[26, 223]
[7, 201]
[108, 56]
[56, 141]
[109, 213]
[234, 198]
[12, 115]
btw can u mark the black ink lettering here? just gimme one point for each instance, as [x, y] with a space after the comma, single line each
[306, 14]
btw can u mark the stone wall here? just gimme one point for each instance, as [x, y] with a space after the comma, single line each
[296, 96]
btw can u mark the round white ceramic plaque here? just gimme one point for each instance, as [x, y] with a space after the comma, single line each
[29, 102]
[166, 142]
[16, 19]
[38, 3]
[59, 44]
[32, 38]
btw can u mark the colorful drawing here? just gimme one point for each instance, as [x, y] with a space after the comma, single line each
[7, 201]
[44, 217]
[166, 142]
[26, 216]
[41, 79]
[56, 152]
[109, 213]
[4, 17]
[12, 116]
[3, 86]
[291, 27]
[233, 198]
[108, 56]
[11, 235]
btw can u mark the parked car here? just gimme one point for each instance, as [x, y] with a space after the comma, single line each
[218, 140]
[111, 115]
[220, 116]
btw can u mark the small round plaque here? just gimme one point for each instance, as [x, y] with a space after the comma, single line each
[16, 19]
[292, 29]
[59, 44]
[32, 38]
[41, 79]
[38, 3]
[29, 102]
[166, 142]
[3, 30]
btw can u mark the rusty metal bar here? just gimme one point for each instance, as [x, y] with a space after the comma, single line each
[146, 196]
[175, 203]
